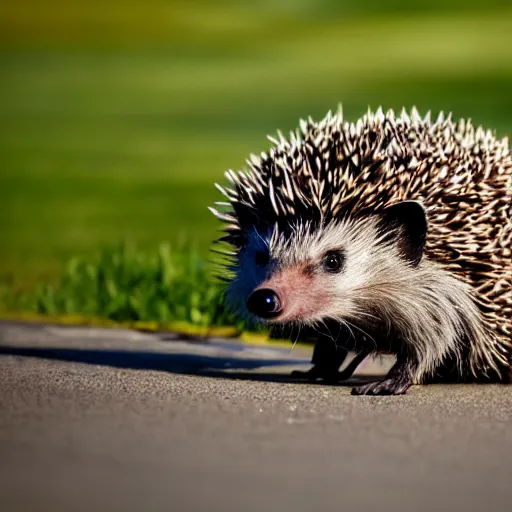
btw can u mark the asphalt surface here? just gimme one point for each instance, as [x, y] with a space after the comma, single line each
[92, 419]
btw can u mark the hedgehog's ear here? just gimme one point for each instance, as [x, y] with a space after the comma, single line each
[411, 218]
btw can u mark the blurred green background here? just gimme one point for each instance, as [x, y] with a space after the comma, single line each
[117, 117]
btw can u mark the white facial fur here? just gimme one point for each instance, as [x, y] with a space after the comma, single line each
[295, 268]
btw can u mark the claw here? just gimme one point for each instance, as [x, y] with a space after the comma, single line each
[383, 387]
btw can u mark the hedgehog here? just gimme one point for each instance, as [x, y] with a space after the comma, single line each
[388, 235]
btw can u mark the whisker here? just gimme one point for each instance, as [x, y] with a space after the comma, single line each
[363, 332]
[330, 334]
[296, 339]
[343, 322]
[314, 327]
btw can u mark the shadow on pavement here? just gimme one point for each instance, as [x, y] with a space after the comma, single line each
[188, 364]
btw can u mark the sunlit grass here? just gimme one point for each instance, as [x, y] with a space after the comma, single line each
[164, 286]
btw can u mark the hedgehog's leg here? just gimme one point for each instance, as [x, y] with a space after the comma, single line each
[397, 381]
[327, 359]
[351, 367]
[327, 363]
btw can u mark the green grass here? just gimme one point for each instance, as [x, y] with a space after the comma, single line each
[116, 122]
[164, 285]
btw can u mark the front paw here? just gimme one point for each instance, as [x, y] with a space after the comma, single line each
[326, 377]
[383, 387]
[318, 373]
[310, 375]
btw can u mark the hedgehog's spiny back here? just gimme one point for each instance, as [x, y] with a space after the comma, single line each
[462, 174]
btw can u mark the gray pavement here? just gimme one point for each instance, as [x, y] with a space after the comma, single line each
[94, 419]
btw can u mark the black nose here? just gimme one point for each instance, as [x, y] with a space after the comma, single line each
[264, 303]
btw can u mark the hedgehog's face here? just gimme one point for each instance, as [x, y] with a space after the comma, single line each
[331, 272]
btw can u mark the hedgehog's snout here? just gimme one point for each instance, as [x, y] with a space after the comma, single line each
[264, 303]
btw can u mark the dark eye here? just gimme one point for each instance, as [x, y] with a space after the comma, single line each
[262, 258]
[333, 262]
